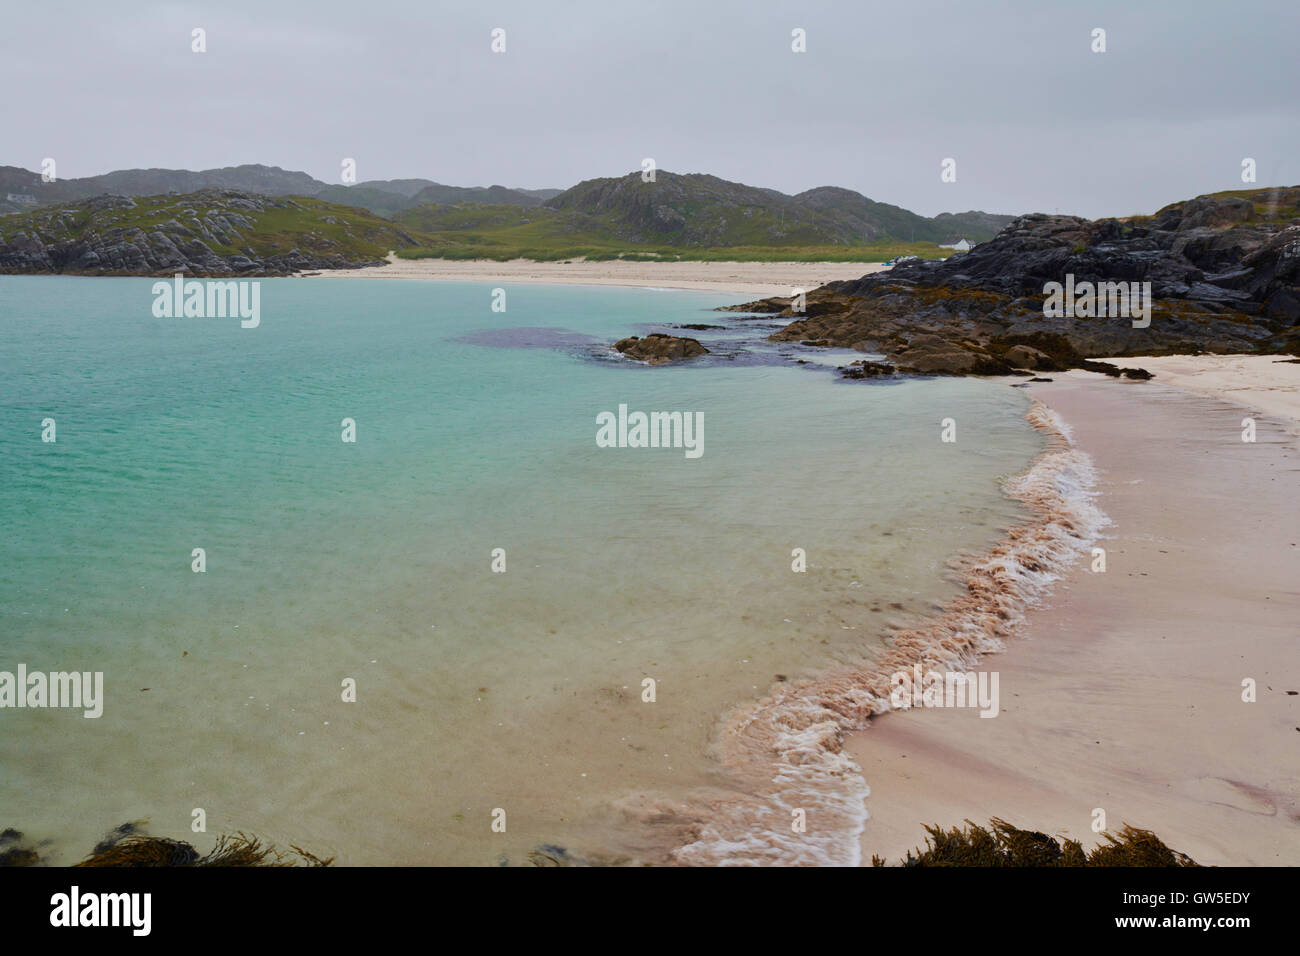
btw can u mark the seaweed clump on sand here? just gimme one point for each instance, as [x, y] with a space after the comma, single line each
[1002, 844]
[238, 850]
[128, 846]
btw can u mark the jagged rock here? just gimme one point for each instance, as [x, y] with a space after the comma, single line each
[1114, 371]
[1024, 356]
[759, 306]
[865, 369]
[658, 348]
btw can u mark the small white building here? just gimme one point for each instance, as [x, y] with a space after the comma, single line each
[961, 245]
[22, 198]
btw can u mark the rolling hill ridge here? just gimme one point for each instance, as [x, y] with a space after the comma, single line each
[674, 212]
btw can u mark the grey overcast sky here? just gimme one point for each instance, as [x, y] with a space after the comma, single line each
[886, 90]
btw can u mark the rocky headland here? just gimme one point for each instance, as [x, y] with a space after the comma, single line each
[1224, 274]
[219, 232]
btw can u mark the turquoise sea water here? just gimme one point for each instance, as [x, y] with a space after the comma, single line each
[372, 561]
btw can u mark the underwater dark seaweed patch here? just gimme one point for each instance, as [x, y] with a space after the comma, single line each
[16, 851]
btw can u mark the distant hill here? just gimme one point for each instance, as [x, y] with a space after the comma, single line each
[371, 197]
[693, 210]
[701, 210]
[264, 180]
[976, 226]
[213, 232]
[401, 187]
[689, 216]
[496, 195]
[855, 218]
[694, 216]
[426, 190]
[382, 197]
[542, 194]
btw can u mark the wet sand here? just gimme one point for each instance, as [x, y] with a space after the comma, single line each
[1124, 692]
[1268, 384]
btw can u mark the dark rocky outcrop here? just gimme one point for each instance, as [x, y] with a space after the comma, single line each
[1224, 273]
[658, 348]
[772, 306]
[865, 369]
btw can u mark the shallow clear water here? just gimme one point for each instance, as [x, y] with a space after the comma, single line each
[372, 561]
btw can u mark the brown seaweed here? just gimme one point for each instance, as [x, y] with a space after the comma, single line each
[129, 846]
[1002, 844]
[239, 849]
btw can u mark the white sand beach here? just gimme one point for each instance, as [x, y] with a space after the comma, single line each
[1268, 384]
[1125, 691]
[754, 279]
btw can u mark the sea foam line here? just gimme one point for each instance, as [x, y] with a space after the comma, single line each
[786, 751]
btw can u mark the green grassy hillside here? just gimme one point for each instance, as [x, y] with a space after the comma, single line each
[548, 235]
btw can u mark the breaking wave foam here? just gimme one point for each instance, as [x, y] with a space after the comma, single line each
[785, 751]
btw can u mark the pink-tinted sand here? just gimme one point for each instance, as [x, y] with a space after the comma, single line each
[1123, 690]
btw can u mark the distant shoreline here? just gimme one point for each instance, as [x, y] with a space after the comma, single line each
[756, 279]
